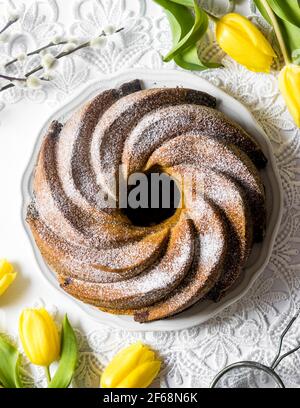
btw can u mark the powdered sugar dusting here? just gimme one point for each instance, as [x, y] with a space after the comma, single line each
[98, 255]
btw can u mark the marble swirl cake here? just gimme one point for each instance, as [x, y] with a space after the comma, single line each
[152, 272]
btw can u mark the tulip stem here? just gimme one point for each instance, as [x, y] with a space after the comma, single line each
[48, 375]
[215, 19]
[277, 31]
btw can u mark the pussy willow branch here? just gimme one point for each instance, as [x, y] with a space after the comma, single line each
[59, 56]
[8, 24]
[37, 51]
[11, 78]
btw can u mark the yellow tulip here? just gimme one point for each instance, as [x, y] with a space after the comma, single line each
[243, 42]
[7, 275]
[39, 336]
[289, 84]
[135, 366]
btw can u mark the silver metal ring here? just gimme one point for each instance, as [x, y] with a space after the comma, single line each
[248, 364]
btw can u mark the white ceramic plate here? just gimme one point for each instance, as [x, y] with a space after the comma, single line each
[260, 256]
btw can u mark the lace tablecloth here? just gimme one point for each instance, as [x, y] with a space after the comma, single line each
[247, 330]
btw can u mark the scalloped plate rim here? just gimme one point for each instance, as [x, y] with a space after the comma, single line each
[182, 320]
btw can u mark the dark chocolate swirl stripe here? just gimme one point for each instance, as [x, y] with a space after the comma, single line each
[149, 286]
[97, 253]
[116, 124]
[166, 123]
[225, 158]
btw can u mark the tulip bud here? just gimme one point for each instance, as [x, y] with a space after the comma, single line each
[289, 84]
[7, 275]
[39, 336]
[133, 367]
[243, 42]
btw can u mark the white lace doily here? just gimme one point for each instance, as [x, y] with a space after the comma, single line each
[249, 329]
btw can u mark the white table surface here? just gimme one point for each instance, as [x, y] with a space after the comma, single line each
[247, 330]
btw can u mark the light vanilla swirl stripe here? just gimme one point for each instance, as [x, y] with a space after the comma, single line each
[98, 255]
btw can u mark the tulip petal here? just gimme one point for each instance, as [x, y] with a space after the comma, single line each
[32, 337]
[6, 281]
[121, 364]
[7, 275]
[53, 336]
[254, 35]
[5, 267]
[289, 84]
[142, 376]
[253, 59]
[133, 359]
[146, 356]
[39, 336]
[241, 40]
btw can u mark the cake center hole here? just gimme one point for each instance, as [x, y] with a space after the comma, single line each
[152, 198]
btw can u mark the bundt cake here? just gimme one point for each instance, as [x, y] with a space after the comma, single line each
[98, 253]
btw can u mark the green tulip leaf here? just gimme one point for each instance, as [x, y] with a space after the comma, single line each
[287, 10]
[190, 3]
[195, 34]
[180, 18]
[291, 35]
[190, 60]
[187, 3]
[68, 360]
[262, 10]
[290, 31]
[182, 23]
[9, 365]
